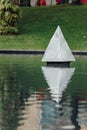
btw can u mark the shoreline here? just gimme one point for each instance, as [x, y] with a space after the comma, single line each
[38, 52]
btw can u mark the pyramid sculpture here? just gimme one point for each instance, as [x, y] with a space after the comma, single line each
[58, 49]
[57, 79]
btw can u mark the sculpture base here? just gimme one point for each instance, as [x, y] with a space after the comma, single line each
[59, 64]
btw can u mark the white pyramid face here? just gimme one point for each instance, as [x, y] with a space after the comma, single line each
[58, 49]
[57, 80]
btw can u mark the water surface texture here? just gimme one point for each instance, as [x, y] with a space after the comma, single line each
[37, 97]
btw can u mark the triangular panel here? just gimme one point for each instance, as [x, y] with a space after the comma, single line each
[58, 49]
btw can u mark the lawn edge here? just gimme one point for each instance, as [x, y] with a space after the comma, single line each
[36, 52]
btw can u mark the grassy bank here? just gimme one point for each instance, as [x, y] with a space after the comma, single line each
[39, 23]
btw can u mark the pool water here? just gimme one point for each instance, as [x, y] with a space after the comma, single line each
[34, 96]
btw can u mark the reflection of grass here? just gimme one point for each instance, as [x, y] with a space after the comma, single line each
[77, 87]
[39, 23]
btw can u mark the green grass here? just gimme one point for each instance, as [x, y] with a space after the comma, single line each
[38, 24]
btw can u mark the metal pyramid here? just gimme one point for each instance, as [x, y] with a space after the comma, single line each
[58, 49]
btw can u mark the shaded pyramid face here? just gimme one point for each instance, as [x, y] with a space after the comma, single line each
[58, 49]
[57, 80]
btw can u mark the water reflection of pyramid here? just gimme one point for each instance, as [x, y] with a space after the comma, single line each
[57, 79]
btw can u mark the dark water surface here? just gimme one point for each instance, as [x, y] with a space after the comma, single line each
[36, 97]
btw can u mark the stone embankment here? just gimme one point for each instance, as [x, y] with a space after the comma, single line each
[37, 52]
